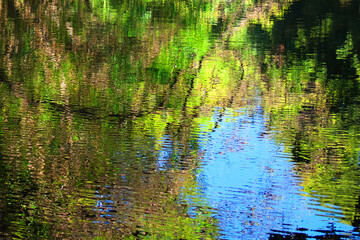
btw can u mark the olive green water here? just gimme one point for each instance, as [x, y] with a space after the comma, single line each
[199, 119]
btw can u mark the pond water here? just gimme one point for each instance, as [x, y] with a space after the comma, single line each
[203, 119]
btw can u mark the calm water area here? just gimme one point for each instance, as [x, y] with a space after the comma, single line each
[180, 119]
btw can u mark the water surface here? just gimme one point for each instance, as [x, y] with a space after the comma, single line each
[179, 120]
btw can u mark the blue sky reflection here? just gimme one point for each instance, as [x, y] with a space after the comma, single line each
[249, 179]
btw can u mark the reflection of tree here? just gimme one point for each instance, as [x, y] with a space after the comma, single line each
[309, 67]
[323, 32]
[90, 89]
[64, 157]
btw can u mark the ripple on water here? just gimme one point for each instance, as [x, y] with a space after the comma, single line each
[251, 182]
